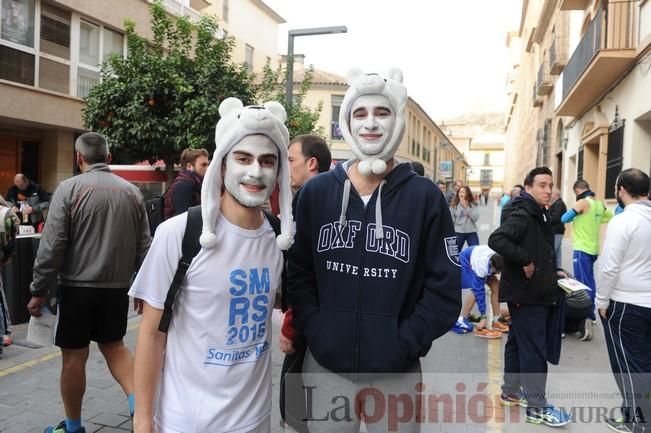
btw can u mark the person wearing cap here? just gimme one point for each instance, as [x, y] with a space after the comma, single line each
[373, 277]
[216, 354]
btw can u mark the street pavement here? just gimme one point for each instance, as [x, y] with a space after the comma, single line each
[463, 371]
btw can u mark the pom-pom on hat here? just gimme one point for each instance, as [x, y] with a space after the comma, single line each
[236, 123]
[392, 88]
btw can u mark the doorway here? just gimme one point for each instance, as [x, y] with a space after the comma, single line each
[17, 156]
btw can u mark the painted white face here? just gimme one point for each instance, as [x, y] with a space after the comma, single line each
[371, 123]
[251, 170]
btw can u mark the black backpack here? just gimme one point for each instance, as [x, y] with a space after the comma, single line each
[190, 248]
[155, 215]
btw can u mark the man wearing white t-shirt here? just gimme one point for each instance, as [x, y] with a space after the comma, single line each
[216, 355]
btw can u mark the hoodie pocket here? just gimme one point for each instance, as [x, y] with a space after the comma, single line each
[331, 336]
[379, 345]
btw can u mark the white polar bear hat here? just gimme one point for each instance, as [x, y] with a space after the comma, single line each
[236, 123]
[392, 88]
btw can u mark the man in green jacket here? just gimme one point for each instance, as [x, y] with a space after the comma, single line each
[587, 215]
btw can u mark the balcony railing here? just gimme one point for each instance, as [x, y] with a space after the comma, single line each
[619, 33]
[585, 51]
[335, 131]
[177, 8]
[544, 84]
[537, 100]
[557, 56]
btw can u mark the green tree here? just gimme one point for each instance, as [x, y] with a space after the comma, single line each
[164, 96]
[301, 119]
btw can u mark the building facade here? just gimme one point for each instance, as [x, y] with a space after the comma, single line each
[254, 27]
[579, 91]
[485, 156]
[605, 91]
[50, 52]
[534, 132]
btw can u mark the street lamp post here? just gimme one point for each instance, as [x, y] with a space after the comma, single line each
[290, 52]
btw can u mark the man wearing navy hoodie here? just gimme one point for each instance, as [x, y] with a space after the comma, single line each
[373, 274]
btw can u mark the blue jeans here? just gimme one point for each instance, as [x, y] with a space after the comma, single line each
[471, 238]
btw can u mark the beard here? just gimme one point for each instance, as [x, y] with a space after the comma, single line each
[620, 202]
[234, 185]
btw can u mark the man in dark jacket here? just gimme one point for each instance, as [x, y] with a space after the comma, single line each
[308, 156]
[373, 275]
[556, 210]
[528, 284]
[185, 190]
[28, 198]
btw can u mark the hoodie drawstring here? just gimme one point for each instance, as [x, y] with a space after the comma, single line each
[344, 203]
[379, 228]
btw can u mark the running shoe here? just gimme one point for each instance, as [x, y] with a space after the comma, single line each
[7, 341]
[547, 415]
[61, 428]
[462, 326]
[618, 425]
[513, 399]
[486, 333]
[501, 327]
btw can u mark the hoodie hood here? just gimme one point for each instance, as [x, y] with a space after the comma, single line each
[396, 177]
[642, 208]
[527, 202]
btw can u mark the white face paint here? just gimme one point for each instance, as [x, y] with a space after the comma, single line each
[251, 170]
[371, 123]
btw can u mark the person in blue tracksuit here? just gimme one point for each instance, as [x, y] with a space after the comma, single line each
[373, 275]
[479, 267]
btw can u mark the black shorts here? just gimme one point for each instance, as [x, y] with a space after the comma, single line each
[91, 314]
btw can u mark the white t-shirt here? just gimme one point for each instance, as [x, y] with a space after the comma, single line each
[216, 376]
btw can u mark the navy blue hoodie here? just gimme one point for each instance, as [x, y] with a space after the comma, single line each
[369, 305]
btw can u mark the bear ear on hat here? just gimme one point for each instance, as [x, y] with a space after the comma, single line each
[230, 105]
[277, 110]
[395, 74]
[352, 75]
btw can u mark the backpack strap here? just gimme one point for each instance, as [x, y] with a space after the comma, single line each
[190, 248]
[275, 224]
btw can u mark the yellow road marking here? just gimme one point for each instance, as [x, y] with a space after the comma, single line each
[44, 358]
[28, 364]
[494, 363]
